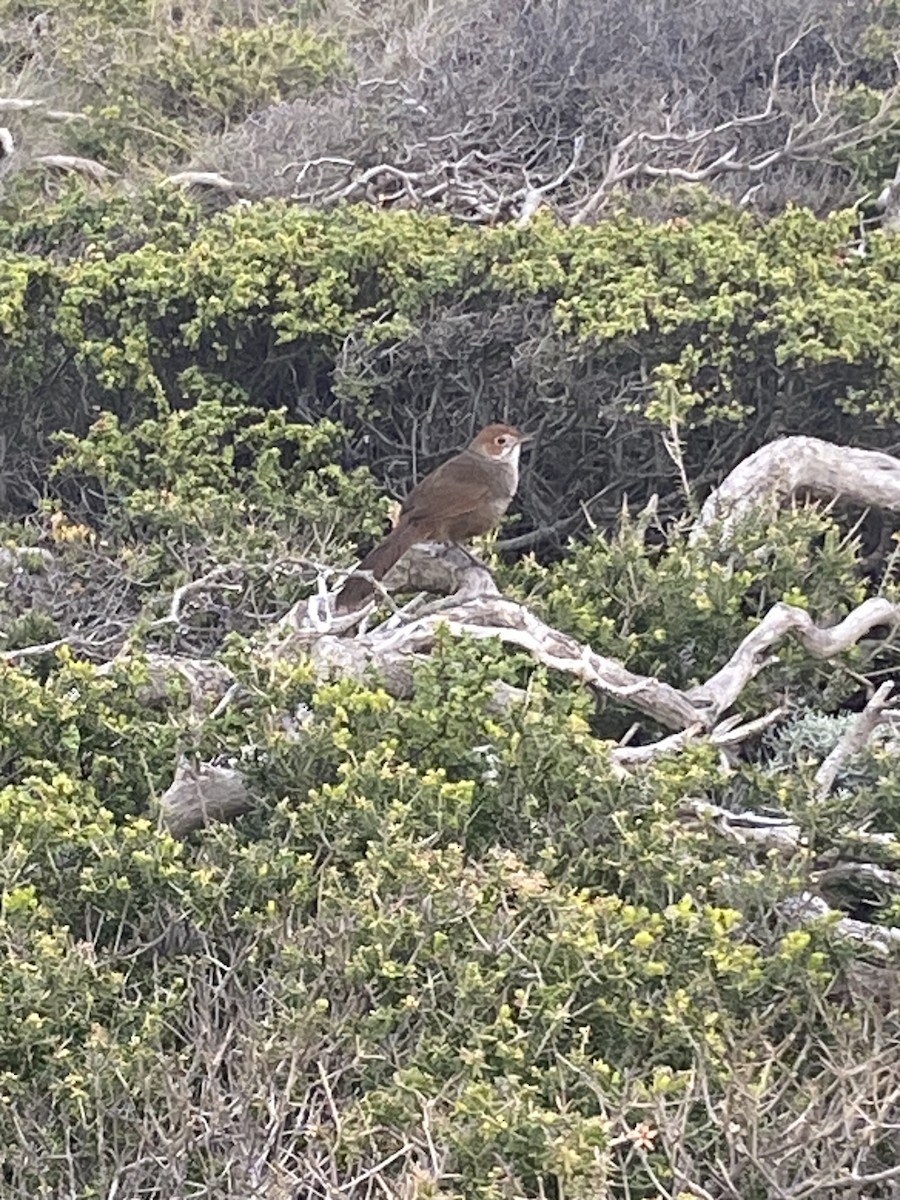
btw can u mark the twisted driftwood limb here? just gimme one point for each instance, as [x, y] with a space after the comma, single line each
[489, 615]
[721, 690]
[496, 617]
[788, 466]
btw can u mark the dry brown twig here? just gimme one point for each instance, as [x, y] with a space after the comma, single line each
[480, 186]
[831, 1144]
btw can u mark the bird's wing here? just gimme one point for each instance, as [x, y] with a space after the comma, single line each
[452, 490]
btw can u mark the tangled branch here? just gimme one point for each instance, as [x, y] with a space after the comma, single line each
[483, 179]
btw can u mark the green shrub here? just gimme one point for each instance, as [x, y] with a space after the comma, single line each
[528, 930]
[702, 326]
[230, 72]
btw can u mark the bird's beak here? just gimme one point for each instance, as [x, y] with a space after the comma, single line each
[525, 438]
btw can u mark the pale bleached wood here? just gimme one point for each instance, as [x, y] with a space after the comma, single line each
[856, 738]
[754, 653]
[791, 466]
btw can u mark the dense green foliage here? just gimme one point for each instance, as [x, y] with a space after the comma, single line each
[717, 326]
[545, 952]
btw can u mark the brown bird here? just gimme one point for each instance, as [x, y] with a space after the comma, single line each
[462, 498]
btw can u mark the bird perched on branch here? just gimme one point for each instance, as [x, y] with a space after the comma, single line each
[462, 498]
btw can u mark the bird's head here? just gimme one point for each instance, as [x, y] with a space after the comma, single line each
[501, 442]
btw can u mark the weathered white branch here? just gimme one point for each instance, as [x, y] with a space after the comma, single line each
[76, 163]
[496, 617]
[702, 706]
[727, 734]
[33, 651]
[770, 833]
[477, 610]
[721, 690]
[18, 104]
[791, 465]
[203, 179]
[856, 738]
[881, 939]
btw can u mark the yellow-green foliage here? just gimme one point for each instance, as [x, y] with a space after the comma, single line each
[220, 487]
[455, 922]
[234, 70]
[158, 95]
[220, 473]
[152, 78]
[522, 924]
[724, 316]
[702, 326]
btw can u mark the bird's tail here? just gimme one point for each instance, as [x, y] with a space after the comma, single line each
[357, 589]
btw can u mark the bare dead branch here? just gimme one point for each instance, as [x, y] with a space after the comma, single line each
[69, 163]
[856, 737]
[18, 104]
[721, 690]
[770, 833]
[203, 179]
[533, 196]
[792, 465]
[33, 651]
[879, 939]
[726, 735]
[211, 579]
